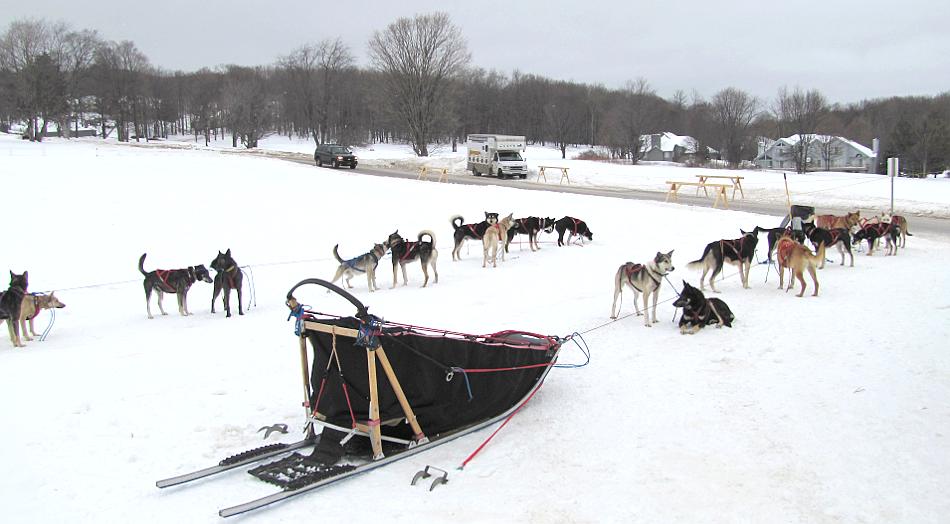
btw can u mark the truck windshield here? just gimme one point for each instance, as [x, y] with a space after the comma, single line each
[509, 155]
[339, 151]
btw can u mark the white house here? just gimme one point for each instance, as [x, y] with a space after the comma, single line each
[669, 147]
[824, 153]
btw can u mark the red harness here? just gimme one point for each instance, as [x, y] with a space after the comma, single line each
[163, 275]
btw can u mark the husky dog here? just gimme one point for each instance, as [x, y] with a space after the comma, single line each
[901, 222]
[797, 258]
[475, 231]
[871, 232]
[823, 239]
[404, 252]
[177, 281]
[644, 279]
[772, 235]
[365, 263]
[228, 276]
[530, 226]
[574, 226]
[699, 311]
[493, 235]
[32, 304]
[847, 221]
[11, 303]
[739, 252]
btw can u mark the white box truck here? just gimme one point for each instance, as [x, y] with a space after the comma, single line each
[498, 155]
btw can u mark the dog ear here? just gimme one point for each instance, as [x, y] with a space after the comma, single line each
[670, 254]
[228, 252]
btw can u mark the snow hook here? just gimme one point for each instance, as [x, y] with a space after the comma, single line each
[280, 428]
[424, 474]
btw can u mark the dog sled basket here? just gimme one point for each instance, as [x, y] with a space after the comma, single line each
[400, 388]
[406, 385]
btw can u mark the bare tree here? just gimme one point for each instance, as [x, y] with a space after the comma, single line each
[419, 57]
[247, 106]
[314, 75]
[801, 112]
[732, 111]
[635, 115]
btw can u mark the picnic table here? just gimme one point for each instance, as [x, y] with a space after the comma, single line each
[736, 183]
[563, 174]
[718, 189]
[424, 173]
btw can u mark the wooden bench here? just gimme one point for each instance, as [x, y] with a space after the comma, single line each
[719, 189]
[443, 173]
[736, 183]
[563, 174]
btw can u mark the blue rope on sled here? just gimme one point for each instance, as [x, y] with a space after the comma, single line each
[297, 313]
[368, 334]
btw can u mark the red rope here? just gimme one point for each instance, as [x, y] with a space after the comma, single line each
[489, 370]
[513, 413]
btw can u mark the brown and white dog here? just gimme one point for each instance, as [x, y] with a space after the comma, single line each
[847, 221]
[495, 233]
[797, 258]
[33, 303]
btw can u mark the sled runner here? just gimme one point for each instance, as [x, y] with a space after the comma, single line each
[377, 391]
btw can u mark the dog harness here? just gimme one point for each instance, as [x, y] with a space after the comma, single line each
[784, 250]
[351, 263]
[632, 269]
[576, 223]
[732, 245]
[232, 274]
[163, 275]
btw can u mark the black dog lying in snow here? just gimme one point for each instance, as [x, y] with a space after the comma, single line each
[699, 311]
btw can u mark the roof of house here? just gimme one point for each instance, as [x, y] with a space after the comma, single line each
[669, 141]
[792, 140]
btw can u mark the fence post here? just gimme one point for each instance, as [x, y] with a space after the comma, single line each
[893, 167]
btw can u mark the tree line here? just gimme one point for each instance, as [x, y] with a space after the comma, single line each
[421, 88]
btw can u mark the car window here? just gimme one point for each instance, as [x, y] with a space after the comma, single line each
[506, 155]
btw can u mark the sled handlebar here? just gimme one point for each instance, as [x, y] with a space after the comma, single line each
[361, 310]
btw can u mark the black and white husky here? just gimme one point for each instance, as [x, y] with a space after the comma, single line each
[642, 278]
[739, 252]
[474, 231]
[530, 226]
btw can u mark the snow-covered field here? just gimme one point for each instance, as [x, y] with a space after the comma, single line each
[827, 409]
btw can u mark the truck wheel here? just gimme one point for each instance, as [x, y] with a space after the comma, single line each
[352, 166]
[475, 171]
[319, 162]
[336, 165]
[501, 175]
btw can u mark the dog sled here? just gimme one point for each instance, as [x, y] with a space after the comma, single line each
[377, 391]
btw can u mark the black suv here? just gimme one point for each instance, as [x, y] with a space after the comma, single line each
[334, 155]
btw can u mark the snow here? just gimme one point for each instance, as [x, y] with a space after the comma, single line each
[827, 409]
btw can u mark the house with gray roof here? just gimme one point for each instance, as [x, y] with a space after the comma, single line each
[669, 147]
[824, 153]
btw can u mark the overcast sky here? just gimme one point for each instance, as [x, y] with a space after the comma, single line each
[849, 50]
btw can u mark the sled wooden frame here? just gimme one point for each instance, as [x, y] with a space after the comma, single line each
[370, 429]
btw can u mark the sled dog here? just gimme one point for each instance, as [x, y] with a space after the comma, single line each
[642, 278]
[847, 221]
[177, 281]
[530, 226]
[474, 231]
[495, 233]
[901, 222]
[872, 232]
[11, 303]
[739, 252]
[228, 276]
[824, 239]
[797, 258]
[573, 226]
[404, 252]
[699, 311]
[33, 303]
[365, 263]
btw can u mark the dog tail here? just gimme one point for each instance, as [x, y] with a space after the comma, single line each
[429, 232]
[142, 264]
[697, 264]
[459, 219]
[821, 251]
[336, 254]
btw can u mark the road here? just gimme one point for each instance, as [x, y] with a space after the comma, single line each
[928, 225]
